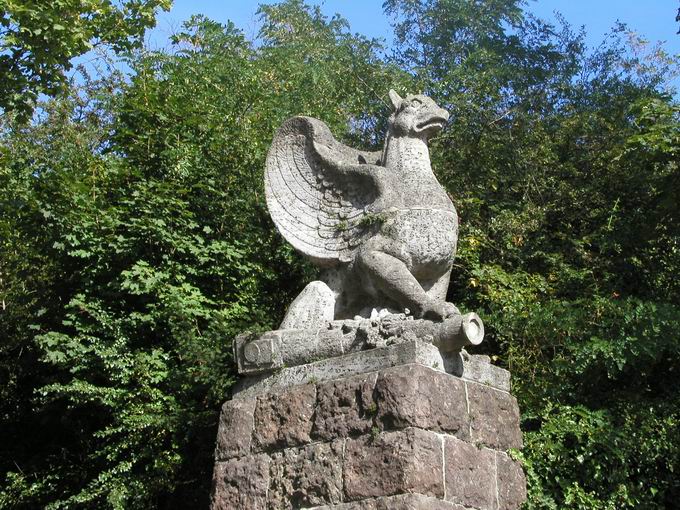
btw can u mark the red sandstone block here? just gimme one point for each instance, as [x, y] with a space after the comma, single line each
[307, 476]
[512, 484]
[417, 396]
[345, 407]
[495, 417]
[235, 430]
[241, 483]
[469, 474]
[284, 419]
[391, 463]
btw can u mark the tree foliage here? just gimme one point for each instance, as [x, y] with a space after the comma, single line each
[140, 244]
[136, 243]
[564, 164]
[38, 40]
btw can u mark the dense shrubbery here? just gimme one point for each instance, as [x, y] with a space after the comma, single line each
[135, 244]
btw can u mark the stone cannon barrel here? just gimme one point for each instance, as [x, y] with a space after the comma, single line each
[292, 347]
[453, 333]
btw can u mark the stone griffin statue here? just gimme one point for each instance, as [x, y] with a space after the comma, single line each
[378, 223]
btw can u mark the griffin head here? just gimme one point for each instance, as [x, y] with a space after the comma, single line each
[416, 116]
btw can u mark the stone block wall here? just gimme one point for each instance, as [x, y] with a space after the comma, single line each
[407, 437]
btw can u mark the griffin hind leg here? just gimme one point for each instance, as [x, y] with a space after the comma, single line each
[347, 289]
[437, 288]
[313, 308]
[392, 277]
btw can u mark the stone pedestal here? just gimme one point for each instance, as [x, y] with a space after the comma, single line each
[394, 427]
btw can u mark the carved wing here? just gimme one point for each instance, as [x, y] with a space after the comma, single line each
[319, 190]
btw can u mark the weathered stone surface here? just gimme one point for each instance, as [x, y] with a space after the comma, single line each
[373, 217]
[400, 502]
[495, 417]
[235, 430]
[470, 474]
[311, 308]
[478, 368]
[345, 407]
[284, 419]
[512, 491]
[392, 463]
[241, 483]
[372, 360]
[421, 397]
[257, 353]
[273, 350]
[375, 467]
[307, 476]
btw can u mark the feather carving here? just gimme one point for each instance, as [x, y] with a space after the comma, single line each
[317, 198]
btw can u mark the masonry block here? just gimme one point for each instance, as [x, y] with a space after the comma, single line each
[511, 483]
[241, 483]
[284, 419]
[494, 417]
[470, 474]
[307, 476]
[394, 433]
[390, 463]
[417, 396]
[345, 407]
[235, 431]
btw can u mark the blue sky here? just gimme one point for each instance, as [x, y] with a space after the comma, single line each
[652, 19]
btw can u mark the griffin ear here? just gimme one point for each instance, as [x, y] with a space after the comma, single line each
[395, 98]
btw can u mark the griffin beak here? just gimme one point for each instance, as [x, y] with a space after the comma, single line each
[435, 122]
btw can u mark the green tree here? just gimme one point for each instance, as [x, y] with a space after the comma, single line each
[39, 39]
[141, 245]
[136, 243]
[564, 167]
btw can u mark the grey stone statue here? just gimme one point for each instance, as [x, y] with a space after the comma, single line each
[379, 223]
